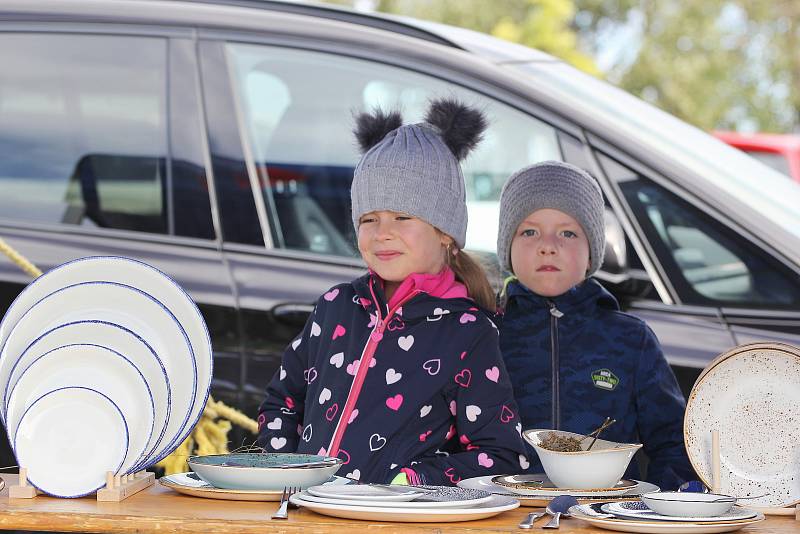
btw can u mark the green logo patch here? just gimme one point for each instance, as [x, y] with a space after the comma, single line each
[604, 379]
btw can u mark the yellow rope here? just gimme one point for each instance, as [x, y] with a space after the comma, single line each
[19, 260]
[209, 436]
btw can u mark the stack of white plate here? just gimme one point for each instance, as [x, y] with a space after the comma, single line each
[410, 504]
[105, 366]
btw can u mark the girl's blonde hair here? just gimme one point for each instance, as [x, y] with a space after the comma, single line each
[470, 273]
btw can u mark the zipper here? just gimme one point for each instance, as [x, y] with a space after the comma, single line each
[367, 354]
[555, 314]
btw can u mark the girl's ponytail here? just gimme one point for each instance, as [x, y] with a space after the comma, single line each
[470, 273]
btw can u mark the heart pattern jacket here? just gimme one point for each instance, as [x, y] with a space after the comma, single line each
[421, 387]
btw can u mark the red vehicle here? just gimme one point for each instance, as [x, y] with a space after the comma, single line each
[779, 151]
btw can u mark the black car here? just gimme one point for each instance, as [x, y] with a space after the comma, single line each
[211, 140]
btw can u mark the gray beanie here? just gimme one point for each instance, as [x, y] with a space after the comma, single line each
[415, 168]
[555, 185]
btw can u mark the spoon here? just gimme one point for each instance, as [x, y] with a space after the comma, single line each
[529, 520]
[558, 507]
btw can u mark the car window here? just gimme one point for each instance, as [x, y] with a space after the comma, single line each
[707, 262]
[84, 135]
[301, 142]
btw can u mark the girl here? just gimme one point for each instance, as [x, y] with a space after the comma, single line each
[398, 373]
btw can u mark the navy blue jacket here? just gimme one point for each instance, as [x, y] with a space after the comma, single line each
[421, 387]
[576, 359]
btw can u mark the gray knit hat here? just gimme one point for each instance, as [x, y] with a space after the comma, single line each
[415, 168]
[555, 185]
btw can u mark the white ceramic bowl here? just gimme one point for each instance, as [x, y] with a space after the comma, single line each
[264, 471]
[600, 467]
[688, 504]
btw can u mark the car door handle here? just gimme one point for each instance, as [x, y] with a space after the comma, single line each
[293, 313]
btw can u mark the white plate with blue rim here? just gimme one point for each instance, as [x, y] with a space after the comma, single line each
[148, 280]
[68, 439]
[135, 310]
[98, 368]
[115, 338]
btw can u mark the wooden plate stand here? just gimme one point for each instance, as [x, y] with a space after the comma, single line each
[117, 488]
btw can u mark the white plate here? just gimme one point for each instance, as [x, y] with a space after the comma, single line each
[191, 484]
[367, 492]
[527, 485]
[69, 439]
[128, 307]
[749, 395]
[98, 368]
[638, 510]
[446, 497]
[114, 337]
[485, 483]
[153, 282]
[659, 527]
[496, 505]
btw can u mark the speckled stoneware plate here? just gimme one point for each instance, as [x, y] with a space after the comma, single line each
[541, 485]
[264, 471]
[592, 515]
[639, 511]
[751, 395]
[541, 500]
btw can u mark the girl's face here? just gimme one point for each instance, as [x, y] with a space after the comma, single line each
[395, 244]
[550, 252]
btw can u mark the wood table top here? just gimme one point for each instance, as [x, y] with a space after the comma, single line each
[158, 510]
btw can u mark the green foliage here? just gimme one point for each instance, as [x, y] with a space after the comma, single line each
[718, 64]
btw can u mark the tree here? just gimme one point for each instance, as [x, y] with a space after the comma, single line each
[727, 64]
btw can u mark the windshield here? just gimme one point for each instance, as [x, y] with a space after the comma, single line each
[723, 167]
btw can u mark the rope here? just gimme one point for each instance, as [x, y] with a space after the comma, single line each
[209, 436]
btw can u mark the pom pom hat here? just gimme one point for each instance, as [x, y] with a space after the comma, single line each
[415, 168]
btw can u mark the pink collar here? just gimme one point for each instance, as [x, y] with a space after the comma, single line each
[442, 285]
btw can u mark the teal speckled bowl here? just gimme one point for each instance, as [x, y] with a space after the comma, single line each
[264, 471]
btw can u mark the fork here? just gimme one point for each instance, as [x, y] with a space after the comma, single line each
[282, 512]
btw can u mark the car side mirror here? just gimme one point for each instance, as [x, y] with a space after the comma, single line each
[615, 261]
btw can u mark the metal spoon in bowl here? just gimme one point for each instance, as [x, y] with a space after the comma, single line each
[557, 507]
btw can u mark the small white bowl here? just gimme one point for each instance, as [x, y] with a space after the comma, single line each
[264, 471]
[688, 504]
[598, 468]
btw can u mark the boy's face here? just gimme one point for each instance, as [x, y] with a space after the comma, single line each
[550, 252]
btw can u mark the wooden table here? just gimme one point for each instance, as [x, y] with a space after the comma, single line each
[159, 510]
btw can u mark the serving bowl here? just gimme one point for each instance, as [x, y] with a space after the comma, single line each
[600, 467]
[688, 504]
[264, 471]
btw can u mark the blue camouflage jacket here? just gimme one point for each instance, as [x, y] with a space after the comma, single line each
[576, 359]
[422, 386]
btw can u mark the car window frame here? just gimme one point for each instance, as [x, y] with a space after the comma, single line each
[723, 221]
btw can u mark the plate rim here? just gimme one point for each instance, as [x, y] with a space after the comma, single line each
[400, 505]
[510, 504]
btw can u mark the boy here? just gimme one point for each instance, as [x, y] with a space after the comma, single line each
[574, 358]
